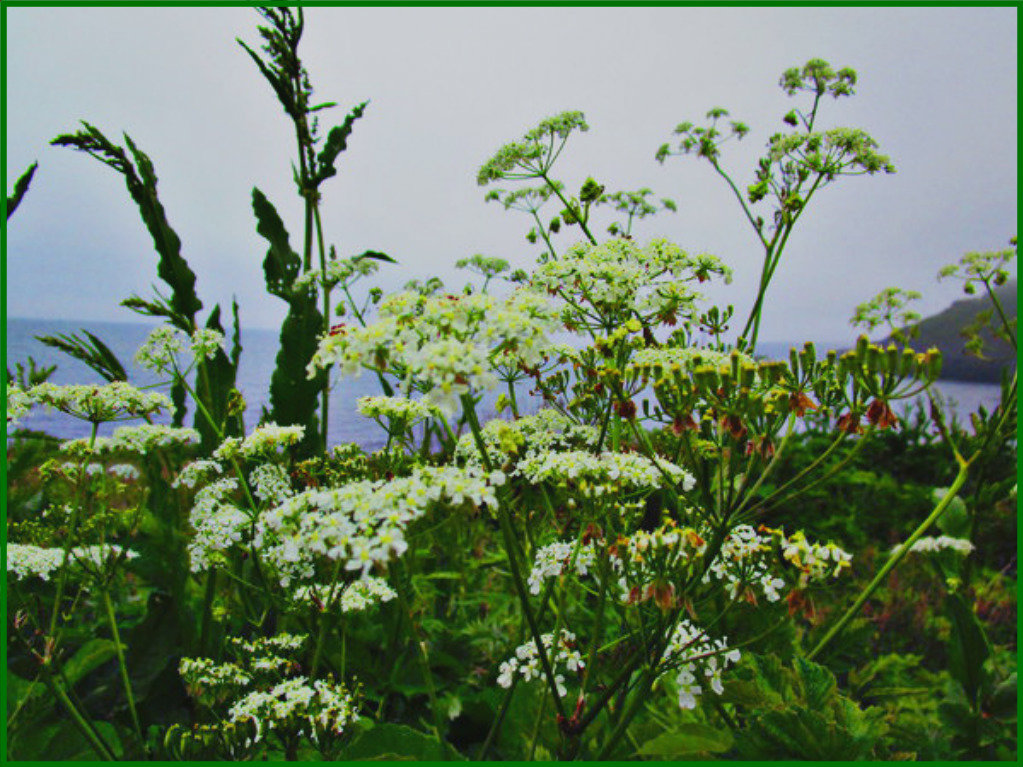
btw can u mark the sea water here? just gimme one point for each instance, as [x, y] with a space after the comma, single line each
[258, 359]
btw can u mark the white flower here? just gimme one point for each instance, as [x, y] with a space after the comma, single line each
[197, 471]
[98, 404]
[927, 544]
[32, 561]
[18, 405]
[270, 483]
[551, 561]
[526, 661]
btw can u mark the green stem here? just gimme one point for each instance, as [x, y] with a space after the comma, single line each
[893, 561]
[119, 649]
[94, 740]
[423, 657]
[325, 394]
[575, 213]
[627, 716]
[76, 513]
[207, 609]
[326, 621]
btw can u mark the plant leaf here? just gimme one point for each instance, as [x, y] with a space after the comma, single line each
[20, 187]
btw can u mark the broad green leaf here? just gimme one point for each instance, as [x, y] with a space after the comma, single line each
[396, 741]
[687, 739]
[968, 648]
[281, 265]
[955, 521]
[88, 657]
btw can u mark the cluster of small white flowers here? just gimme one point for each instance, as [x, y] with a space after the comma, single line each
[99, 404]
[399, 409]
[597, 475]
[929, 544]
[195, 472]
[544, 431]
[352, 597]
[338, 270]
[551, 560]
[26, 561]
[204, 676]
[139, 440]
[124, 471]
[624, 279]
[362, 523]
[815, 561]
[448, 344]
[206, 342]
[697, 657]
[164, 343]
[100, 554]
[270, 483]
[526, 662]
[743, 561]
[644, 557]
[18, 404]
[278, 643]
[161, 348]
[296, 704]
[218, 525]
[267, 439]
[216, 532]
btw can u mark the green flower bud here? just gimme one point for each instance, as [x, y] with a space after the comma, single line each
[862, 344]
[906, 363]
[892, 359]
[874, 361]
[590, 191]
[747, 375]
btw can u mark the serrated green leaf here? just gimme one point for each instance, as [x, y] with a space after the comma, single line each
[336, 143]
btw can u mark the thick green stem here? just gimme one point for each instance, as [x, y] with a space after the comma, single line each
[834, 631]
[325, 395]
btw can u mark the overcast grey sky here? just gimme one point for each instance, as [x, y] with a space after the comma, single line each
[448, 86]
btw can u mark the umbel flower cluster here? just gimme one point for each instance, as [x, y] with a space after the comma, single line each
[444, 346]
[265, 697]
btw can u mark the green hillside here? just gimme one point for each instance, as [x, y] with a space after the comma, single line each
[944, 330]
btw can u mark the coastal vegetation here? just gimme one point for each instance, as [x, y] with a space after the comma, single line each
[689, 551]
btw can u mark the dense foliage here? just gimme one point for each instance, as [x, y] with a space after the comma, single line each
[689, 551]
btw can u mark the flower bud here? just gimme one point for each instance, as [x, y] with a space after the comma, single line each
[874, 362]
[809, 355]
[862, 344]
[892, 359]
[747, 375]
[906, 362]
